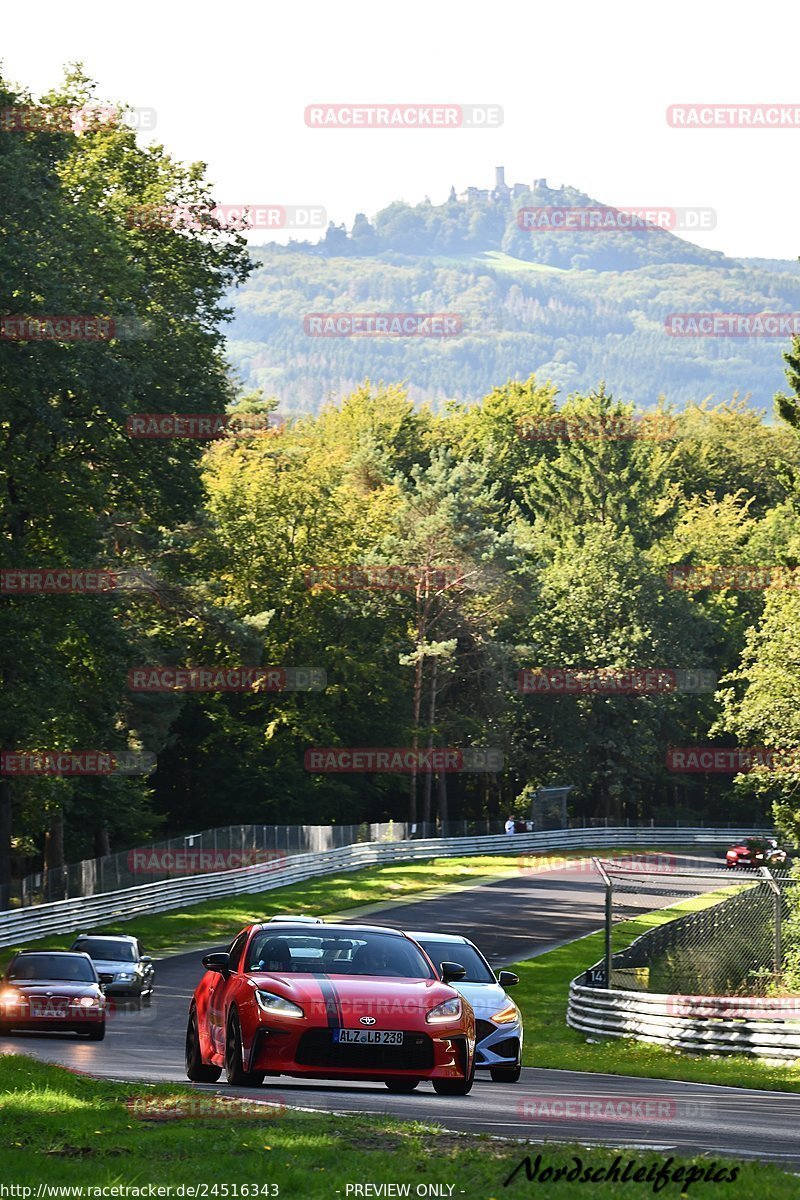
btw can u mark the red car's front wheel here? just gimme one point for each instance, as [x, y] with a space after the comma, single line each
[234, 1057]
[455, 1087]
[401, 1085]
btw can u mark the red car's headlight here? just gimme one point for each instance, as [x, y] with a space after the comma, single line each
[268, 1002]
[11, 996]
[449, 1010]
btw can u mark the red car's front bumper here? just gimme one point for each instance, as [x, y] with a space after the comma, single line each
[429, 1054]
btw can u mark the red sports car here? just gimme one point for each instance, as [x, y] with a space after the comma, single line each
[53, 991]
[756, 852]
[332, 1002]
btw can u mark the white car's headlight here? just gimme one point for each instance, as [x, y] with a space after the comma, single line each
[270, 1003]
[509, 1012]
[449, 1010]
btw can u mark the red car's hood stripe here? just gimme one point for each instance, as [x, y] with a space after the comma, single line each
[330, 996]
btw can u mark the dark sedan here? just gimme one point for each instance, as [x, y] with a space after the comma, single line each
[53, 991]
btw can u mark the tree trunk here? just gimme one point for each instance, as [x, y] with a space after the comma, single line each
[441, 781]
[102, 845]
[54, 858]
[5, 843]
[412, 800]
[426, 810]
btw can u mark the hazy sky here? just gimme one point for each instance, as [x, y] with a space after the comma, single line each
[584, 89]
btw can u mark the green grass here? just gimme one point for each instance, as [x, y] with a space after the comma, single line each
[216, 921]
[544, 981]
[549, 1042]
[69, 1130]
[507, 262]
[219, 920]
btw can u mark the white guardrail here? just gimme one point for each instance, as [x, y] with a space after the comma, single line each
[18, 926]
[768, 1027]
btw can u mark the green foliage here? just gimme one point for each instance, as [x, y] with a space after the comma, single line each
[594, 311]
[525, 553]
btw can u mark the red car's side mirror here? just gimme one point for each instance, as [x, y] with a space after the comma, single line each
[218, 961]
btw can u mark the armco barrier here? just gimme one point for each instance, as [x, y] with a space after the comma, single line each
[65, 916]
[652, 1017]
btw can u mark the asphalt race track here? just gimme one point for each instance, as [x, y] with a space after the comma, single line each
[511, 919]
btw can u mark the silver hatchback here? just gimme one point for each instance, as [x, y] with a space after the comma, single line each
[498, 1021]
[123, 969]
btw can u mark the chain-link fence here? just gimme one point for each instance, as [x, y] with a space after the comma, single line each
[726, 940]
[242, 845]
[222, 849]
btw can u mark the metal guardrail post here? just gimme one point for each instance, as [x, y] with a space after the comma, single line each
[777, 898]
[598, 866]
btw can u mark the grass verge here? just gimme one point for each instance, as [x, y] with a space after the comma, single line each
[69, 1130]
[549, 1042]
[216, 921]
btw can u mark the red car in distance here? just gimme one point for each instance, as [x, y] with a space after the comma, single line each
[756, 852]
[330, 1002]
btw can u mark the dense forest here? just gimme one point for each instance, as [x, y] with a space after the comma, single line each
[572, 307]
[521, 553]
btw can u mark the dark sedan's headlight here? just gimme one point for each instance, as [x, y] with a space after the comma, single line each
[268, 1002]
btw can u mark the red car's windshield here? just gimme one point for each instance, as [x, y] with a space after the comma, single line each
[335, 953]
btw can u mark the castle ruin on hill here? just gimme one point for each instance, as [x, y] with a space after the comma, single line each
[500, 193]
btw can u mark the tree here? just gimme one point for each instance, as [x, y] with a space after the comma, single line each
[76, 489]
